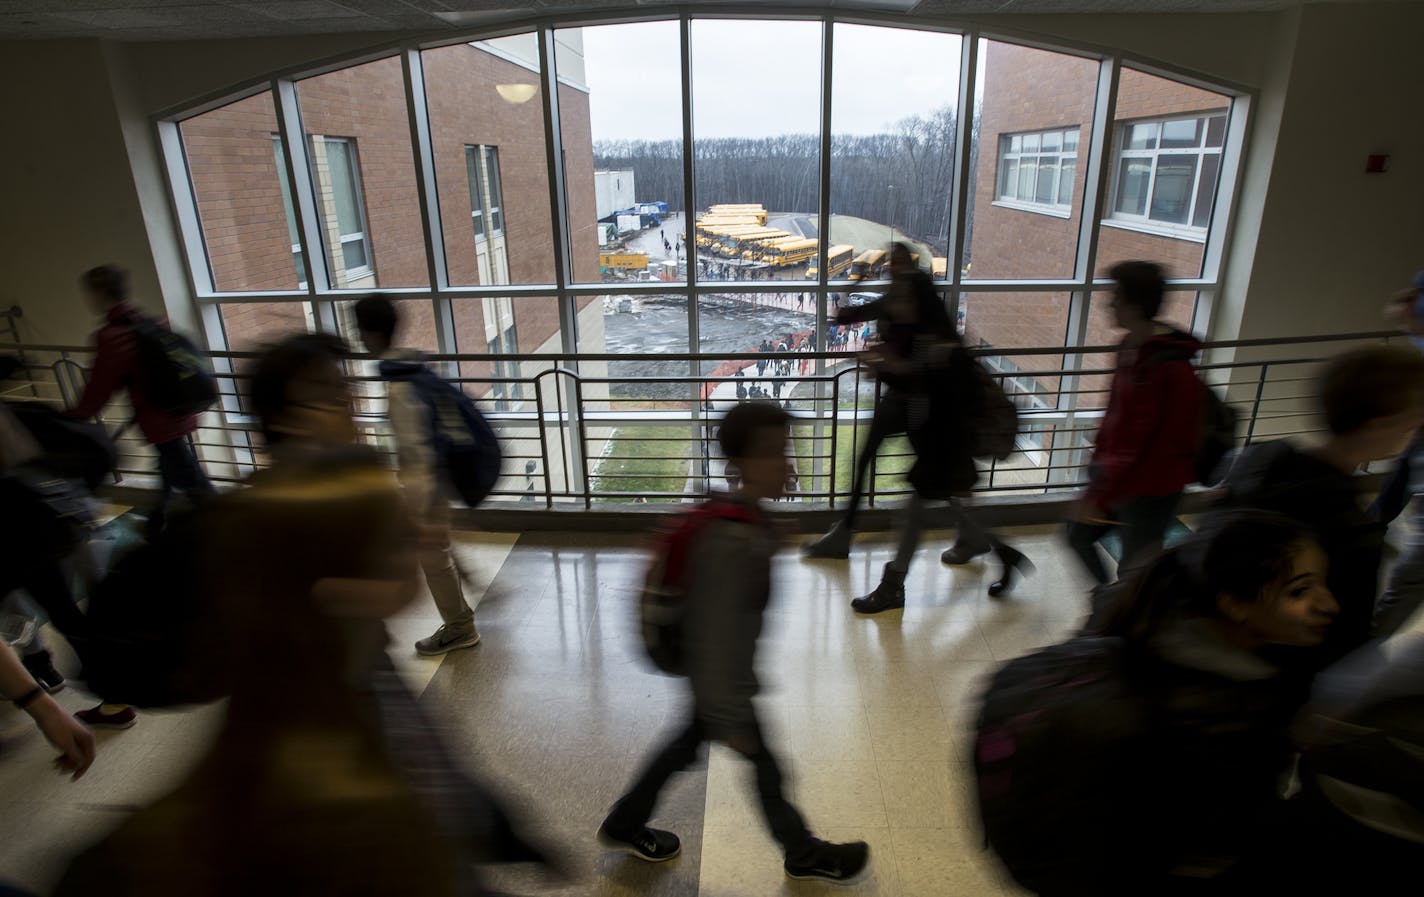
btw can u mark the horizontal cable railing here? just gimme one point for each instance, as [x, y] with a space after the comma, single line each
[576, 430]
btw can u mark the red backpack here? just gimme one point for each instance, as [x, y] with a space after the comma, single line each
[661, 605]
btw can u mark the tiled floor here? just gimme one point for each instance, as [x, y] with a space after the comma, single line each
[557, 709]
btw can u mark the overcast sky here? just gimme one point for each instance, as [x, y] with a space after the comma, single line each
[759, 79]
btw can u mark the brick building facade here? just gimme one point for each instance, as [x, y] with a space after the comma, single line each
[1035, 92]
[234, 160]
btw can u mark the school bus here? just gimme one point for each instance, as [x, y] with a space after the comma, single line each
[726, 220]
[869, 264]
[632, 261]
[939, 266]
[753, 209]
[841, 256]
[794, 251]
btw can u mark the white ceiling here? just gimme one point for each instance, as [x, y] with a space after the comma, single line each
[143, 20]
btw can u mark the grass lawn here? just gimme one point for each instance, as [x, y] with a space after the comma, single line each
[889, 470]
[644, 459]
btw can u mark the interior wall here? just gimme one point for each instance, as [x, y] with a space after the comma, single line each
[1334, 241]
[70, 200]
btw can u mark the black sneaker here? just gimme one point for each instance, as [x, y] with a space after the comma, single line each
[650, 844]
[42, 668]
[838, 863]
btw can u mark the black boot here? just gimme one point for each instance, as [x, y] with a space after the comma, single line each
[889, 595]
[1016, 566]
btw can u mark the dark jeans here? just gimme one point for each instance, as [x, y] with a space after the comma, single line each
[48, 587]
[1142, 523]
[180, 471]
[633, 811]
[891, 417]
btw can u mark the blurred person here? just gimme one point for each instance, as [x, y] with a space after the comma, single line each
[938, 382]
[74, 741]
[921, 365]
[306, 790]
[1406, 311]
[1147, 756]
[1145, 447]
[378, 322]
[118, 365]
[1358, 822]
[46, 520]
[728, 589]
[1372, 402]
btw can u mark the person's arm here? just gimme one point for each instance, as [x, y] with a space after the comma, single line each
[854, 314]
[720, 630]
[62, 730]
[110, 365]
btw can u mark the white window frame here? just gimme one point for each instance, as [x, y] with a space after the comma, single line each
[489, 186]
[1008, 154]
[358, 196]
[1146, 223]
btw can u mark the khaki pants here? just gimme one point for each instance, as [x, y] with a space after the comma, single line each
[440, 573]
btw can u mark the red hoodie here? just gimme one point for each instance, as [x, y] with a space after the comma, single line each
[116, 366]
[1148, 439]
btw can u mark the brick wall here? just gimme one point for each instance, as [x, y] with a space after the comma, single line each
[234, 171]
[1034, 90]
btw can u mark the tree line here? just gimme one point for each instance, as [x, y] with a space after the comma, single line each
[901, 177]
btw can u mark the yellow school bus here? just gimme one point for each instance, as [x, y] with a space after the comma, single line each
[753, 209]
[842, 254]
[784, 253]
[869, 264]
[939, 266]
[632, 261]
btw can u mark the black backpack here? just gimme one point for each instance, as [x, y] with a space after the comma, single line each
[172, 371]
[1216, 438]
[464, 442]
[153, 638]
[994, 421]
[1056, 753]
[73, 449]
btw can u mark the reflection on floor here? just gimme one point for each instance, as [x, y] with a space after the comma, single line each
[557, 706]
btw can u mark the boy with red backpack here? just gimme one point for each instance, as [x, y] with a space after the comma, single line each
[721, 575]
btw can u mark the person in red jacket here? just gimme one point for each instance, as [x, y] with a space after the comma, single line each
[117, 366]
[1143, 456]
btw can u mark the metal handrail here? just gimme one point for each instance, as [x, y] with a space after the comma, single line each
[587, 443]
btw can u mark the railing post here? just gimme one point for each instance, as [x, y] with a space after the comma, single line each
[582, 439]
[543, 440]
[1256, 405]
[835, 436]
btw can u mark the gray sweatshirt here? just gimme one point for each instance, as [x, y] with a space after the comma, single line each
[728, 586]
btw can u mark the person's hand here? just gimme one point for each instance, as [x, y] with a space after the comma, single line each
[72, 737]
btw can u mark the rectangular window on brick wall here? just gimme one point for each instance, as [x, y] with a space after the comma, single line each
[487, 213]
[1037, 170]
[1165, 173]
[344, 210]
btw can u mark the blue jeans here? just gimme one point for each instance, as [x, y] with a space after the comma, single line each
[180, 470]
[1143, 523]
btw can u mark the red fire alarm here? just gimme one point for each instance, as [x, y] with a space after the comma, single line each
[1377, 164]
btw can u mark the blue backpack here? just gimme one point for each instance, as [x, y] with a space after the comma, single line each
[461, 437]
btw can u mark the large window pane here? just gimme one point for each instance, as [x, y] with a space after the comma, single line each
[757, 141]
[358, 135]
[243, 199]
[644, 325]
[1032, 233]
[1178, 307]
[1167, 142]
[621, 120]
[893, 126]
[491, 166]
[248, 326]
